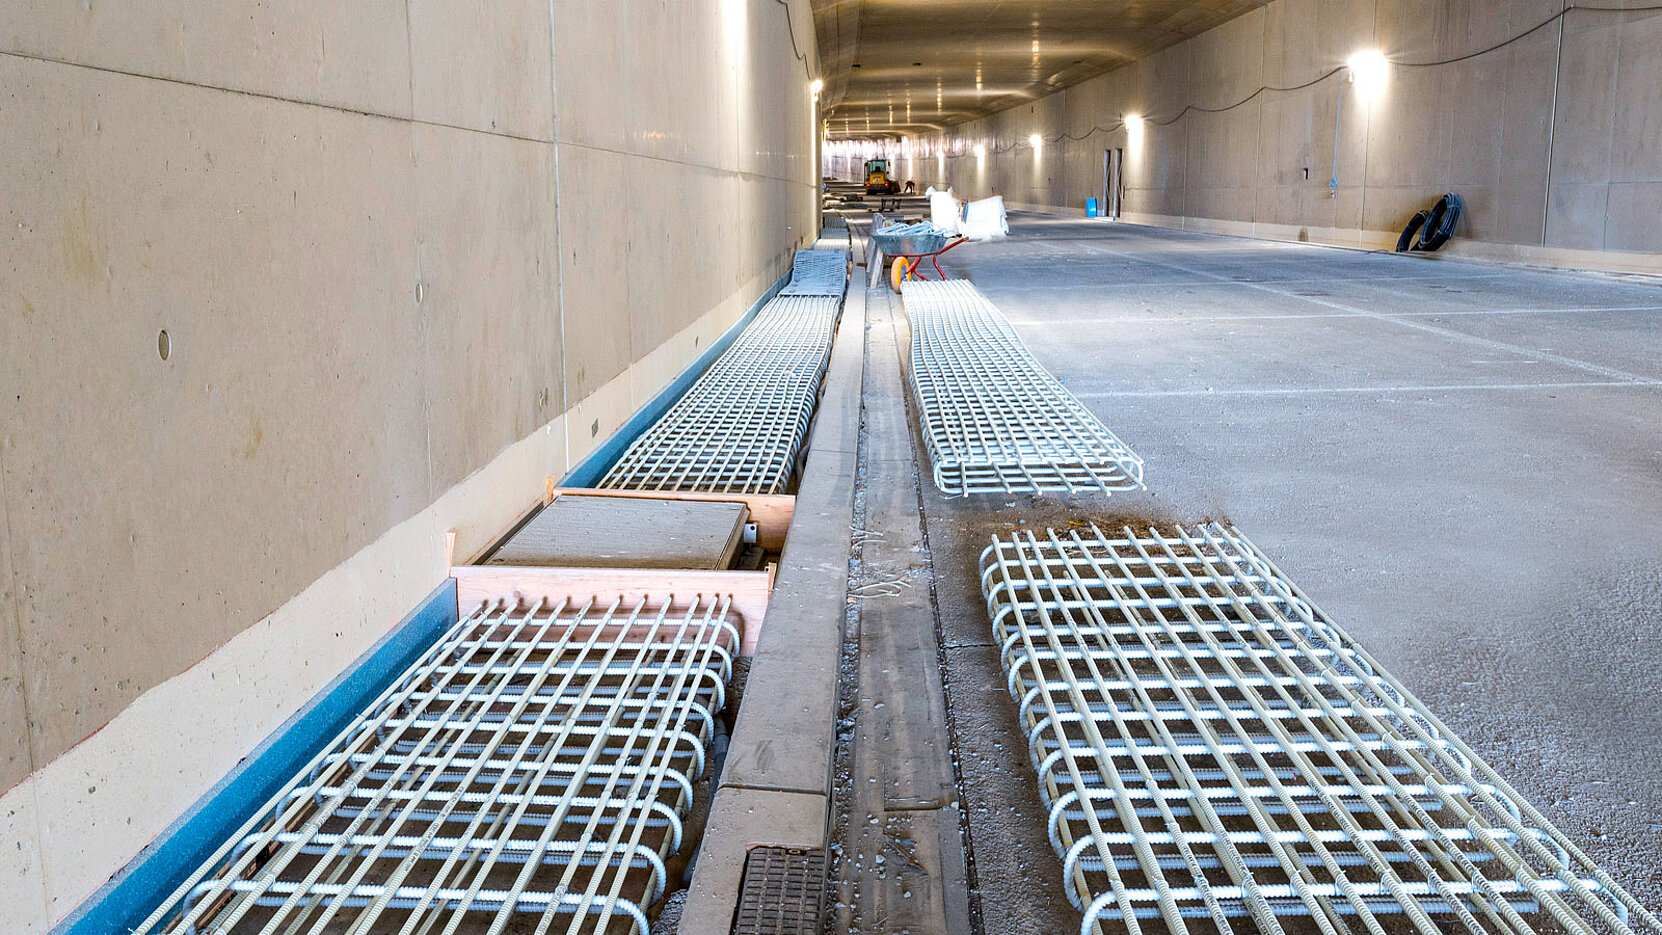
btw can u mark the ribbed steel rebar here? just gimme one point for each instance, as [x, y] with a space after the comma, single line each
[533, 768]
[818, 272]
[741, 427]
[1211, 747]
[994, 420]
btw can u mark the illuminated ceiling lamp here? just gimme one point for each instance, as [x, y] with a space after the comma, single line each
[1368, 71]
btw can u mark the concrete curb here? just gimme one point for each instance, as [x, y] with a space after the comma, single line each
[776, 786]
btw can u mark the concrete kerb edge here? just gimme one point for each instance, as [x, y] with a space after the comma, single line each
[760, 804]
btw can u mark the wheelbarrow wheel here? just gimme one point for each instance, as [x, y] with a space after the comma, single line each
[899, 272]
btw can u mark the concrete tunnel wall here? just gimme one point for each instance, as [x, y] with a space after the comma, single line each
[1553, 141]
[411, 257]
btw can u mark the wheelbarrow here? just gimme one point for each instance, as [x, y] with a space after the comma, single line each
[910, 245]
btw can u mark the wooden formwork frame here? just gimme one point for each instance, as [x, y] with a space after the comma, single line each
[748, 590]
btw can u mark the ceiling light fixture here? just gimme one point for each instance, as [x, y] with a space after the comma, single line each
[1368, 70]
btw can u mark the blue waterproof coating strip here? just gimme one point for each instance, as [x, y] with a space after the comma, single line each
[589, 471]
[133, 893]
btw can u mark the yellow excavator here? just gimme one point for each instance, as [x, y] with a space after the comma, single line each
[877, 178]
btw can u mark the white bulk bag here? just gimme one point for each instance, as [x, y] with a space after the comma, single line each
[985, 219]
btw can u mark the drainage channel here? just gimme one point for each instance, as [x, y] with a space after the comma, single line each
[994, 420]
[1214, 751]
[533, 768]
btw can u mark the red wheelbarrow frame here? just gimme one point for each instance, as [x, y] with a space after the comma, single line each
[934, 259]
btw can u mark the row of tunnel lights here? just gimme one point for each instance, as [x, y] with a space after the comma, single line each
[1367, 70]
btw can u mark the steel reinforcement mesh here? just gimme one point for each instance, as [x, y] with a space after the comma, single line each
[1216, 755]
[818, 272]
[529, 773]
[994, 420]
[742, 425]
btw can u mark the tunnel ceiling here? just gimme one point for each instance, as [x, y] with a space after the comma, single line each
[909, 66]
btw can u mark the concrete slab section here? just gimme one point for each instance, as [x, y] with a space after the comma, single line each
[133, 480]
[489, 299]
[324, 53]
[1492, 538]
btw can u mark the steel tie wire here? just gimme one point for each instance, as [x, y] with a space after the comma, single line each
[313, 824]
[681, 712]
[1453, 859]
[396, 879]
[818, 272]
[741, 426]
[1408, 801]
[500, 920]
[393, 695]
[529, 781]
[1117, 891]
[359, 868]
[469, 836]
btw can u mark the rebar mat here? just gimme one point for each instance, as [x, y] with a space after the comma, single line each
[818, 272]
[994, 420]
[532, 769]
[741, 427]
[1213, 751]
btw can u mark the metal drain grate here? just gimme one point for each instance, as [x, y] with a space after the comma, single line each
[533, 768]
[818, 272]
[741, 427]
[994, 420]
[1211, 747]
[782, 892]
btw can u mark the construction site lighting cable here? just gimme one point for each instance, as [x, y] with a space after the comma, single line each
[1211, 747]
[964, 148]
[536, 763]
[993, 419]
[790, 28]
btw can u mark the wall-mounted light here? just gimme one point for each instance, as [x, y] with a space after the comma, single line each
[980, 151]
[816, 86]
[1035, 140]
[1133, 130]
[1368, 71]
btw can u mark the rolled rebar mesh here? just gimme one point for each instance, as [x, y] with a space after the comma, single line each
[741, 427]
[532, 770]
[1214, 752]
[994, 420]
